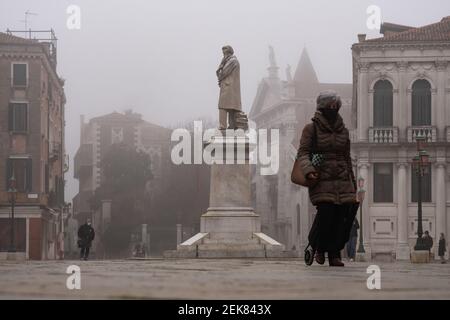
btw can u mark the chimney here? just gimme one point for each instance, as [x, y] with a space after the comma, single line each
[361, 37]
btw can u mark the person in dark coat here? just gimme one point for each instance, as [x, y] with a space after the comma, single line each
[334, 190]
[86, 235]
[428, 240]
[442, 248]
[351, 244]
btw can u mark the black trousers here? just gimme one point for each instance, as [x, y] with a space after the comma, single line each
[84, 254]
[331, 228]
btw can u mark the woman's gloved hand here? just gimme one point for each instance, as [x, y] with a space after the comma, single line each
[312, 176]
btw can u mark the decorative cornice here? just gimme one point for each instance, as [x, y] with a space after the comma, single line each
[403, 164]
[402, 65]
[363, 66]
[363, 165]
[441, 65]
[401, 45]
[440, 162]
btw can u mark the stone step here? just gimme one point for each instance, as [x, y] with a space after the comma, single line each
[231, 246]
[231, 241]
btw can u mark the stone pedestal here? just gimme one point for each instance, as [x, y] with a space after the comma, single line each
[403, 252]
[420, 256]
[230, 228]
[360, 257]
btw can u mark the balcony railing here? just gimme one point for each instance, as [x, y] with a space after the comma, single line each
[428, 131]
[383, 135]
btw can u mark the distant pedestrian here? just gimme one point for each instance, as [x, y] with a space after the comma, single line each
[428, 240]
[351, 244]
[86, 235]
[442, 248]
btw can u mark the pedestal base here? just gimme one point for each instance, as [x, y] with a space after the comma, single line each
[403, 252]
[230, 228]
[361, 257]
[420, 256]
[233, 233]
[232, 245]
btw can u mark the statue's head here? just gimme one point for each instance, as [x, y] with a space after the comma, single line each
[227, 50]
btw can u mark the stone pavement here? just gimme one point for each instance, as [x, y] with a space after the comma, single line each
[221, 279]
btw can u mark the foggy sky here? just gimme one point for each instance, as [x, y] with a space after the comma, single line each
[159, 57]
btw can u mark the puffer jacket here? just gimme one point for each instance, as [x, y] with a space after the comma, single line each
[337, 183]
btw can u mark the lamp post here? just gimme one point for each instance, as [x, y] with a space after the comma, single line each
[361, 194]
[13, 193]
[420, 161]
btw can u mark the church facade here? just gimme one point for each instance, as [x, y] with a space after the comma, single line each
[287, 106]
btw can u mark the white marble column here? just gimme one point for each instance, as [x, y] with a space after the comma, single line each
[402, 107]
[363, 101]
[403, 249]
[440, 192]
[441, 67]
[363, 168]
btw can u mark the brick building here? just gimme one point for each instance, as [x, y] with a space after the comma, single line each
[31, 145]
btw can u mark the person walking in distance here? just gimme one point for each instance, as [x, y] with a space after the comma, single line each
[442, 248]
[428, 240]
[86, 235]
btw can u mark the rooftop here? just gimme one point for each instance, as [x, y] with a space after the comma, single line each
[439, 31]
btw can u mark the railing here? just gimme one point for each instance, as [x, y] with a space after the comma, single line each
[383, 134]
[428, 131]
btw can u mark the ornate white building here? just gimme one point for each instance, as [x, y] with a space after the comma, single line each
[288, 105]
[402, 88]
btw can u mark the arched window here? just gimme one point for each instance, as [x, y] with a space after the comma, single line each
[382, 104]
[421, 103]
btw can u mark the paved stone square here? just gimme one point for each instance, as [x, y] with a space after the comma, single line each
[221, 279]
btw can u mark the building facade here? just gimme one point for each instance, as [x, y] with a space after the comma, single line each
[31, 146]
[288, 105]
[402, 89]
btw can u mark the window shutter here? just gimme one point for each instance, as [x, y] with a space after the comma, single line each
[382, 104]
[29, 175]
[421, 103]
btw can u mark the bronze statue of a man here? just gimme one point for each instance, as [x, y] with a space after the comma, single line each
[228, 76]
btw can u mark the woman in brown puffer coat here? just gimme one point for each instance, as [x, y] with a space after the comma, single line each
[334, 190]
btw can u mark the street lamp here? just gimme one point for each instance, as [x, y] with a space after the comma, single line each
[361, 194]
[13, 193]
[420, 162]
